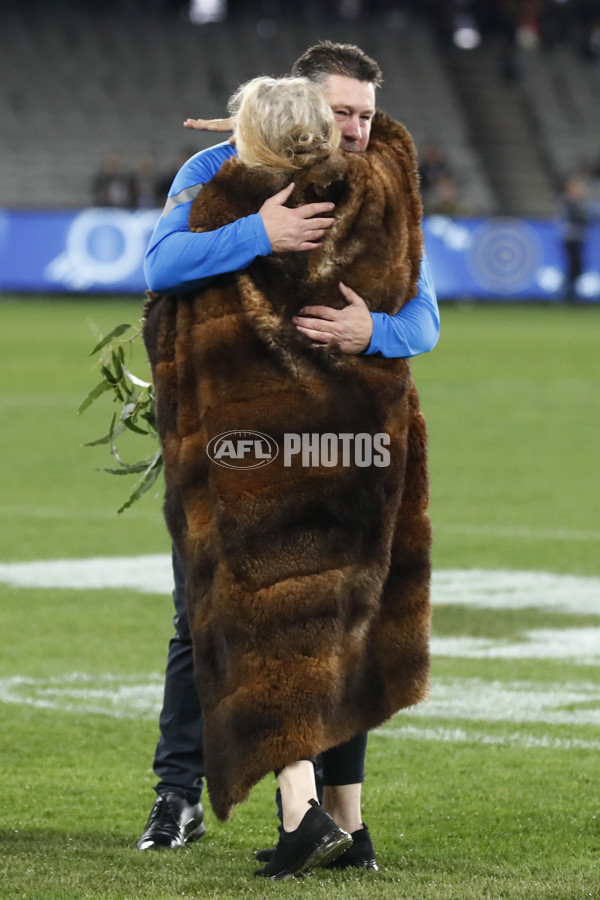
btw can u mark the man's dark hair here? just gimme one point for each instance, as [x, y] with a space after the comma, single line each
[328, 58]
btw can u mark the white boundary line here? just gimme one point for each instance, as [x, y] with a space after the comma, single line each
[520, 531]
[475, 588]
[459, 736]
[508, 532]
[61, 513]
[576, 704]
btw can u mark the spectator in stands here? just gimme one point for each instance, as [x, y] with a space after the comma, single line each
[433, 168]
[595, 188]
[113, 185]
[445, 199]
[166, 179]
[588, 15]
[575, 215]
[432, 164]
[145, 184]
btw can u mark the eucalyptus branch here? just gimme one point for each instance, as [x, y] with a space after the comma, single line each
[136, 409]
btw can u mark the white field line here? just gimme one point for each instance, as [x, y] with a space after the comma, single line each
[150, 574]
[456, 699]
[581, 645]
[561, 703]
[117, 696]
[78, 515]
[478, 588]
[521, 531]
[566, 704]
[511, 739]
[507, 532]
[505, 589]
[70, 400]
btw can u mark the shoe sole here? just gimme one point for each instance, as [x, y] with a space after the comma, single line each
[329, 849]
[196, 834]
[369, 864]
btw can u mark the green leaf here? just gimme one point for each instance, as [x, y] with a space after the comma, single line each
[128, 469]
[103, 440]
[109, 376]
[116, 362]
[135, 380]
[146, 482]
[116, 332]
[96, 392]
[135, 409]
[128, 423]
[112, 434]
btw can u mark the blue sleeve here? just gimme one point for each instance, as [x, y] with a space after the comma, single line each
[414, 329]
[178, 259]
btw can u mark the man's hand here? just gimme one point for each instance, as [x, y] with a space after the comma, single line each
[349, 328]
[294, 229]
[210, 124]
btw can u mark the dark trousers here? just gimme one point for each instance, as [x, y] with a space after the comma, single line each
[179, 758]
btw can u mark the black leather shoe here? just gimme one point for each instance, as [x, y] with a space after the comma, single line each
[173, 822]
[316, 842]
[360, 855]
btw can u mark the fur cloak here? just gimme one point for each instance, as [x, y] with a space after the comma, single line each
[307, 586]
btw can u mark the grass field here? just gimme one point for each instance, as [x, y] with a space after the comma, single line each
[491, 790]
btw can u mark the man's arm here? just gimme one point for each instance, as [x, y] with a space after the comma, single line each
[413, 330]
[178, 259]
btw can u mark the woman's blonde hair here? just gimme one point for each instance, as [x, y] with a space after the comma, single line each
[282, 123]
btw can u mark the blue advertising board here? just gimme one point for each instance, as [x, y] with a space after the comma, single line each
[101, 251]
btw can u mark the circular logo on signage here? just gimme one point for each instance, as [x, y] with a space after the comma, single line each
[504, 255]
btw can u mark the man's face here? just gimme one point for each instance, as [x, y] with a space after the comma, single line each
[353, 104]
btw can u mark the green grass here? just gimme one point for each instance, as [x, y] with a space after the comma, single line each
[511, 397]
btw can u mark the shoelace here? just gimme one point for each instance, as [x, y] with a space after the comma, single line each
[162, 814]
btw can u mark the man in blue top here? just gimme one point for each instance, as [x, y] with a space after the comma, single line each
[179, 260]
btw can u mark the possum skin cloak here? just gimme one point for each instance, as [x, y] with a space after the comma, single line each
[307, 585]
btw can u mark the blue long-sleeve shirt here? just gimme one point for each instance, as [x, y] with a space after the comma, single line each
[178, 259]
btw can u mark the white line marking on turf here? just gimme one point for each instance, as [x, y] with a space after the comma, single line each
[147, 574]
[513, 739]
[479, 588]
[82, 515]
[117, 696]
[522, 531]
[579, 644]
[572, 704]
[500, 531]
[568, 703]
[505, 589]
[36, 400]
[139, 697]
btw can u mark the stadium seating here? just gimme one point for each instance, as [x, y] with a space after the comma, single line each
[562, 92]
[79, 84]
[80, 81]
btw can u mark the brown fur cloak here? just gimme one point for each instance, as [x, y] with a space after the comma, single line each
[307, 586]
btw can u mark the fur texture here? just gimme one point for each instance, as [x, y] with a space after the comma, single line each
[307, 586]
